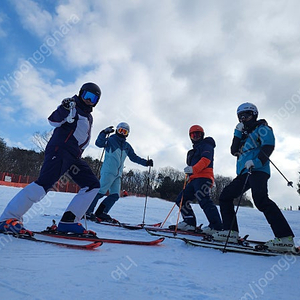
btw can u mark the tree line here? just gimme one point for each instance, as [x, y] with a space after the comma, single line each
[165, 183]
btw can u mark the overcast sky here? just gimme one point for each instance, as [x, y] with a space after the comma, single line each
[162, 65]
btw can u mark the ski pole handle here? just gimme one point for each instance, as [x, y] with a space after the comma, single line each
[70, 117]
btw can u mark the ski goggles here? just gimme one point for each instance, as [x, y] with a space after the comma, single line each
[195, 135]
[244, 116]
[86, 95]
[123, 131]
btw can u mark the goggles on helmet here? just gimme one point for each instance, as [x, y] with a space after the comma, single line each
[86, 95]
[195, 135]
[122, 131]
[245, 116]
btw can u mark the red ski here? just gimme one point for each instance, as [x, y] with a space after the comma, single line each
[93, 238]
[84, 245]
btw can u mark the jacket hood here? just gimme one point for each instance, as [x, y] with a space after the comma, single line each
[85, 108]
[256, 124]
[208, 140]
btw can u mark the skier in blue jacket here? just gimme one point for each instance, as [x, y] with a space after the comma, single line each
[72, 121]
[116, 151]
[252, 144]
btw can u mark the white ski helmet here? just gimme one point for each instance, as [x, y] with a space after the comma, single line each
[247, 107]
[123, 129]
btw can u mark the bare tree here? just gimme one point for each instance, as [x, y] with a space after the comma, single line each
[41, 139]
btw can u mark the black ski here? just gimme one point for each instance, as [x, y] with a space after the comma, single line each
[117, 223]
[254, 250]
[245, 246]
[171, 232]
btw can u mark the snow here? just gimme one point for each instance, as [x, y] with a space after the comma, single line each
[172, 270]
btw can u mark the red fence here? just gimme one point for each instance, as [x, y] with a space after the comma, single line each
[15, 180]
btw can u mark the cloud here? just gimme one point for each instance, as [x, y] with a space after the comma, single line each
[2, 20]
[34, 18]
[163, 68]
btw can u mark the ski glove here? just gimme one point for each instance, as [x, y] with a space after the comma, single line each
[109, 130]
[188, 170]
[249, 164]
[240, 127]
[68, 103]
[149, 163]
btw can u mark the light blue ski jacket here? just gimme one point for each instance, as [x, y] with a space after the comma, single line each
[251, 148]
[116, 151]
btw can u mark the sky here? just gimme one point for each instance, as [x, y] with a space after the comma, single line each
[162, 66]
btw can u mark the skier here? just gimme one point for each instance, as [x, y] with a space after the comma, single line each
[253, 143]
[124, 193]
[73, 121]
[116, 151]
[201, 179]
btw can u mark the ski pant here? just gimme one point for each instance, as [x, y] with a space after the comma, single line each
[108, 183]
[58, 164]
[200, 189]
[258, 183]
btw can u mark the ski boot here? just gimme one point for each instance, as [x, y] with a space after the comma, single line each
[221, 236]
[103, 217]
[75, 228]
[90, 216]
[208, 230]
[283, 244]
[183, 226]
[14, 227]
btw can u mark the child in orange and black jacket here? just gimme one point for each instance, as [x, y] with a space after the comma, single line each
[201, 179]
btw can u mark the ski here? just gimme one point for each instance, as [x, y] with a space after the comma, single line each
[245, 246]
[254, 250]
[167, 232]
[140, 226]
[116, 223]
[93, 238]
[178, 235]
[85, 245]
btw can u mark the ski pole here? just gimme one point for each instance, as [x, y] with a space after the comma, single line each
[101, 157]
[99, 165]
[72, 113]
[98, 172]
[143, 223]
[163, 223]
[180, 206]
[237, 208]
[289, 183]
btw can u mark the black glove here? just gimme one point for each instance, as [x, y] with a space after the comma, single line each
[149, 163]
[109, 130]
[68, 103]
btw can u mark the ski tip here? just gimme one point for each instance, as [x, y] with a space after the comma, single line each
[94, 245]
[158, 241]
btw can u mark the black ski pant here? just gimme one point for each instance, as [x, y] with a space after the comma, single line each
[200, 189]
[258, 183]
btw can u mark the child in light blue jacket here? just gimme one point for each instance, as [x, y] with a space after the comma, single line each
[116, 151]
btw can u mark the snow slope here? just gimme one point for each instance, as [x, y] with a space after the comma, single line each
[172, 270]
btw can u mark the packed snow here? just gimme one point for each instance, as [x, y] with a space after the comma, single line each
[172, 270]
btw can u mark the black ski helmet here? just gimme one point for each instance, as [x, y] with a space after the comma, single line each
[91, 87]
